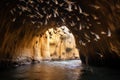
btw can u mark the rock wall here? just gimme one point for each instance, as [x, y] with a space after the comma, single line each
[62, 44]
[48, 47]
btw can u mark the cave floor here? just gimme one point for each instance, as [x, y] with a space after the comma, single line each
[59, 70]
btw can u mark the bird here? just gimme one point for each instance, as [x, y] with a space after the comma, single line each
[80, 27]
[63, 20]
[80, 10]
[31, 16]
[23, 8]
[86, 35]
[78, 19]
[36, 8]
[89, 40]
[55, 12]
[102, 32]
[24, 21]
[33, 22]
[47, 2]
[83, 43]
[61, 4]
[88, 27]
[97, 36]
[98, 22]
[20, 13]
[38, 26]
[46, 22]
[69, 8]
[72, 24]
[11, 11]
[95, 17]
[13, 20]
[31, 1]
[109, 33]
[69, 5]
[55, 1]
[85, 14]
[39, 14]
[95, 6]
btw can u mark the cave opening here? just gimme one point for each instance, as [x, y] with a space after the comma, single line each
[52, 44]
[55, 44]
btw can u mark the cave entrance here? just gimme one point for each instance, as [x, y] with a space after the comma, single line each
[55, 44]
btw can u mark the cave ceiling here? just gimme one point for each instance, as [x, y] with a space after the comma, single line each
[89, 21]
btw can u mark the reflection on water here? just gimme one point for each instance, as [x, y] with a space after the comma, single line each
[59, 70]
[56, 70]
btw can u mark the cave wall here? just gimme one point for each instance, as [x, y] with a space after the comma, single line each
[45, 47]
[62, 44]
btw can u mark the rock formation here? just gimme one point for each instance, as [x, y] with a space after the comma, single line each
[55, 46]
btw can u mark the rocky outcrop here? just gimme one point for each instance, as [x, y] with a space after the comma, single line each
[62, 44]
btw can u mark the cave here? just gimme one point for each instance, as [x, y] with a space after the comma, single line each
[33, 31]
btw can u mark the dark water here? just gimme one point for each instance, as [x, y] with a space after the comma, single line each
[59, 70]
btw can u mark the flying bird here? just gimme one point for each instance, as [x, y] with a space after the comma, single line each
[70, 4]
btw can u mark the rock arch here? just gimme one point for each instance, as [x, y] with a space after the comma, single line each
[95, 25]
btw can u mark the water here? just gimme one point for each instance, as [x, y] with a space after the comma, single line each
[58, 70]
